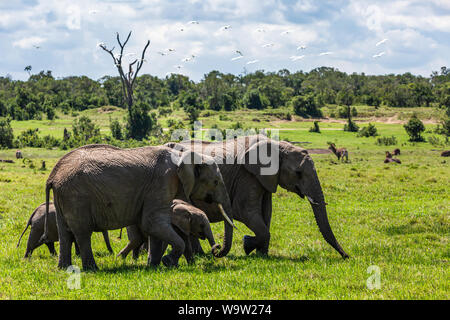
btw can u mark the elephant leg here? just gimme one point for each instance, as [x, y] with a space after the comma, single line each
[87, 256]
[65, 242]
[51, 248]
[196, 246]
[157, 249]
[135, 240]
[261, 240]
[158, 225]
[188, 250]
[108, 244]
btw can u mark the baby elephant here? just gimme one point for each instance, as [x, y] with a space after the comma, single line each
[187, 220]
[37, 223]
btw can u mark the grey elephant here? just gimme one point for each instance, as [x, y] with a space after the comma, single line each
[101, 187]
[188, 220]
[250, 191]
[36, 222]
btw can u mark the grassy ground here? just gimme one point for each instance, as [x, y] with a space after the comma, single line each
[392, 216]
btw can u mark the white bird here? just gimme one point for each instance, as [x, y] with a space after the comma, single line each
[260, 30]
[225, 28]
[93, 11]
[36, 46]
[178, 67]
[379, 54]
[301, 47]
[237, 58]
[267, 45]
[295, 58]
[286, 32]
[381, 42]
[170, 49]
[193, 22]
[101, 44]
[253, 61]
[187, 59]
[325, 53]
[130, 54]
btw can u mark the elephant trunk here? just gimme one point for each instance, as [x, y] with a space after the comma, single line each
[320, 213]
[214, 247]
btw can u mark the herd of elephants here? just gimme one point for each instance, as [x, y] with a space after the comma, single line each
[169, 195]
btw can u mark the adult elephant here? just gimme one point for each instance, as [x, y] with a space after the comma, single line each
[242, 164]
[101, 187]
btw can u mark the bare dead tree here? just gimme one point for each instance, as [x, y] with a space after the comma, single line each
[127, 79]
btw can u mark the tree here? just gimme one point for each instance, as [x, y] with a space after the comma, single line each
[127, 78]
[140, 122]
[190, 104]
[305, 106]
[6, 133]
[414, 128]
[84, 130]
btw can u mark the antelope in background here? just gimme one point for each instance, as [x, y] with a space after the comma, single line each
[340, 153]
[390, 159]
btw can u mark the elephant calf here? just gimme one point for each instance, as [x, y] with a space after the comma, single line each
[37, 223]
[187, 220]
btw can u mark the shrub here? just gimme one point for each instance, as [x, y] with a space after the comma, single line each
[369, 131]
[351, 126]
[387, 141]
[85, 131]
[139, 122]
[163, 111]
[414, 129]
[315, 128]
[354, 112]
[305, 106]
[29, 138]
[116, 129]
[6, 133]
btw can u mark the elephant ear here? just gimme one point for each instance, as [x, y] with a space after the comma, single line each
[263, 161]
[181, 219]
[188, 171]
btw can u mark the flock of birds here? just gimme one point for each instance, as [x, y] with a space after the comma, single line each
[239, 55]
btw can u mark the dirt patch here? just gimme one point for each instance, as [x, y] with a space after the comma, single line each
[107, 109]
[318, 151]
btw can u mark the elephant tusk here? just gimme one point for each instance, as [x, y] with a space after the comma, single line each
[311, 200]
[226, 216]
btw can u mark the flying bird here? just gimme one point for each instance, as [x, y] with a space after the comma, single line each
[295, 58]
[170, 49]
[286, 32]
[93, 11]
[193, 22]
[253, 61]
[379, 55]
[301, 47]
[237, 58]
[130, 54]
[325, 53]
[162, 53]
[225, 28]
[260, 30]
[381, 42]
[178, 67]
[36, 46]
[267, 45]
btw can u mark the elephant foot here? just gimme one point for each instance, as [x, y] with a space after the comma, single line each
[168, 262]
[249, 244]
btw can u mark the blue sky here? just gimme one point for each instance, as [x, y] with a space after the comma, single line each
[67, 34]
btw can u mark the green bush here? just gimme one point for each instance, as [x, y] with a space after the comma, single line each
[305, 106]
[351, 126]
[369, 131]
[414, 129]
[315, 128]
[6, 133]
[387, 141]
[116, 129]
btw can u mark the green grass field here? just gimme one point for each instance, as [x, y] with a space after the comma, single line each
[395, 217]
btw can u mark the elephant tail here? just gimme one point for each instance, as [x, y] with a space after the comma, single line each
[28, 224]
[48, 187]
